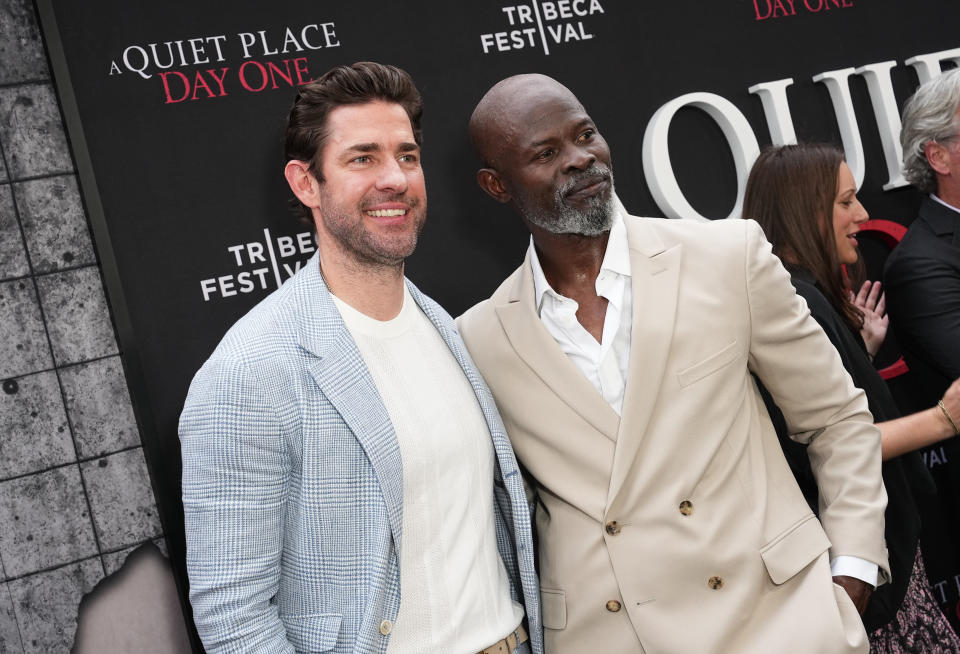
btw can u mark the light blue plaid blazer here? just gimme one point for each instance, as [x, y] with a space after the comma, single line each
[292, 484]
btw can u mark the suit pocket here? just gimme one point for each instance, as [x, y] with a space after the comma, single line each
[313, 633]
[794, 549]
[711, 364]
[553, 608]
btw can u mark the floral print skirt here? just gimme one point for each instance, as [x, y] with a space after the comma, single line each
[919, 626]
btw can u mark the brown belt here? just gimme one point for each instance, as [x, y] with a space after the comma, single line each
[508, 644]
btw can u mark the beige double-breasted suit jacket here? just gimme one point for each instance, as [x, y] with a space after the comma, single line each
[678, 527]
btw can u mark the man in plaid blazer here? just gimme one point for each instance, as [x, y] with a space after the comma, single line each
[310, 489]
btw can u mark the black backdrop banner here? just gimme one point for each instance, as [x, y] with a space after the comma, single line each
[175, 114]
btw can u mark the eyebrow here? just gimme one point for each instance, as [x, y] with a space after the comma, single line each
[584, 122]
[376, 147]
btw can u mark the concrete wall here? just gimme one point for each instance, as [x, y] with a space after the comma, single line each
[75, 497]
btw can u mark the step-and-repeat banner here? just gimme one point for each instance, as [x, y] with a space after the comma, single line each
[175, 112]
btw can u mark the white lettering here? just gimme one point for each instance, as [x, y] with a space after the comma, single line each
[285, 246]
[246, 40]
[885, 110]
[305, 240]
[773, 96]
[837, 82]
[656, 154]
[928, 65]
[207, 286]
[131, 67]
[236, 250]
[226, 285]
[255, 252]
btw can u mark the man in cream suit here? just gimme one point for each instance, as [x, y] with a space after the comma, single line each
[620, 355]
[348, 486]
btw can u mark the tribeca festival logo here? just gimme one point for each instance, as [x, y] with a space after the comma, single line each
[542, 24]
[260, 265]
[189, 69]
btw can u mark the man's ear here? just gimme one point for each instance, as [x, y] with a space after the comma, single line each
[302, 182]
[938, 157]
[489, 180]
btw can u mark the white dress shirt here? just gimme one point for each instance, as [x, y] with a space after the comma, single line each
[946, 204]
[605, 363]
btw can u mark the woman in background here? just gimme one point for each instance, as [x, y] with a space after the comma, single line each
[804, 197]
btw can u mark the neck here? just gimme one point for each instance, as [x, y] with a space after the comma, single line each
[569, 260]
[375, 290]
[948, 192]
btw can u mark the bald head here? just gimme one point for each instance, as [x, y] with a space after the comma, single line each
[504, 112]
[543, 155]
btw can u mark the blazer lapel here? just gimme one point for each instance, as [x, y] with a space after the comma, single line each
[534, 344]
[339, 371]
[655, 270]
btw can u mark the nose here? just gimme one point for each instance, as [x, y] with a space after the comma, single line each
[579, 158]
[862, 215]
[391, 176]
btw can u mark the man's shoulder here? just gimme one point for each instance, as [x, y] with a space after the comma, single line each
[267, 338]
[479, 315]
[915, 247]
[697, 233]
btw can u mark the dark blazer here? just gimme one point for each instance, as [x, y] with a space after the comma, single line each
[922, 283]
[905, 477]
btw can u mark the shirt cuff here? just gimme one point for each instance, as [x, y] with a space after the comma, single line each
[852, 566]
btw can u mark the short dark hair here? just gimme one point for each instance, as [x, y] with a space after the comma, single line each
[791, 191]
[359, 83]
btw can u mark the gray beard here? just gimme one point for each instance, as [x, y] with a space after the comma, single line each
[596, 219]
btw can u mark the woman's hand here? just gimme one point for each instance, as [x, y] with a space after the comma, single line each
[873, 304]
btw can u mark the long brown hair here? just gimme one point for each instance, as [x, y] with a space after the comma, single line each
[791, 192]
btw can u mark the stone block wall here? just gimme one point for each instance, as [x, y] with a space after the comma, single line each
[75, 496]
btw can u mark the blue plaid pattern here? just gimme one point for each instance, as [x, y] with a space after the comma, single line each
[292, 486]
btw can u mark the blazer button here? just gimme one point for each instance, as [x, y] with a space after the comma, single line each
[613, 606]
[386, 627]
[686, 507]
[716, 583]
[613, 527]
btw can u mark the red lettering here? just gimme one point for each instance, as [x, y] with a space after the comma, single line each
[275, 70]
[197, 84]
[166, 87]
[301, 71]
[219, 80]
[263, 76]
[817, 8]
[756, 9]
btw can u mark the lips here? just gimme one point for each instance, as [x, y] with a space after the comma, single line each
[588, 186]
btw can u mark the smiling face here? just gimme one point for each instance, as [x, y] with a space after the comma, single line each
[548, 159]
[372, 202]
[848, 215]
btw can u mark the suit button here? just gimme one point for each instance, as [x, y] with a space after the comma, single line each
[613, 527]
[686, 507]
[386, 627]
[613, 606]
[715, 583]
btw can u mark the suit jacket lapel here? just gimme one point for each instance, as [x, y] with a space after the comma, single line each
[534, 344]
[342, 376]
[655, 270]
